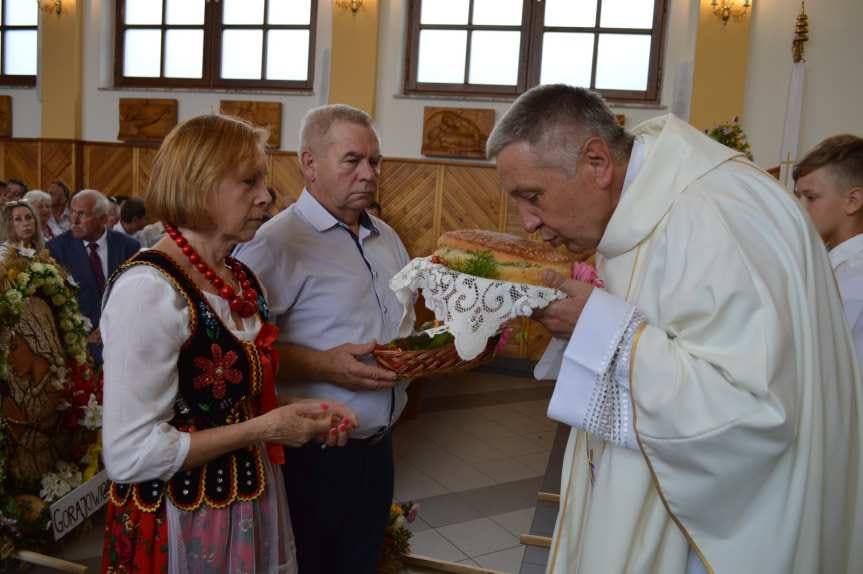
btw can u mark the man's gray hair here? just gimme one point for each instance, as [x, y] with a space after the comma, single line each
[556, 120]
[317, 122]
[101, 204]
[35, 196]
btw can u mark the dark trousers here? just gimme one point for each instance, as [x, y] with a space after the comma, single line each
[340, 502]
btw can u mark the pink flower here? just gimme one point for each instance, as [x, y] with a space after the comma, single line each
[412, 513]
[505, 332]
[586, 273]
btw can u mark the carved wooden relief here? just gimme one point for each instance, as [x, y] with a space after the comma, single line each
[264, 114]
[146, 120]
[456, 132]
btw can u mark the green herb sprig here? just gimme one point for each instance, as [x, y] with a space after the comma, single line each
[481, 264]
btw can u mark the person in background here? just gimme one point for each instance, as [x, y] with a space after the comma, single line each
[326, 266]
[374, 209]
[41, 202]
[133, 217]
[192, 426]
[60, 195]
[113, 215]
[15, 189]
[91, 253]
[21, 226]
[151, 234]
[829, 184]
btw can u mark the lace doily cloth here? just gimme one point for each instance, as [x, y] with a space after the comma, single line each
[471, 307]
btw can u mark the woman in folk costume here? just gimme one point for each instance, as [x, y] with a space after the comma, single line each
[192, 431]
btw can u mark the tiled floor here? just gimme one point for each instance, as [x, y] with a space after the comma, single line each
[474, 463]
[474, 460]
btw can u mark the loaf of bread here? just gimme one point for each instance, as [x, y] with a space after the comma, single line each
[500, 256]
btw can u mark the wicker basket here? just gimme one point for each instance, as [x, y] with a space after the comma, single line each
[413, 364]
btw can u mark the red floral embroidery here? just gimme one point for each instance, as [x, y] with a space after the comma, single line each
[217, 371]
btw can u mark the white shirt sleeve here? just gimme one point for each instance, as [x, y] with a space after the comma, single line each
[144, 324]
[592, 390]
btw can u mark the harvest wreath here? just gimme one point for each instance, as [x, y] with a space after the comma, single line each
[62, 408]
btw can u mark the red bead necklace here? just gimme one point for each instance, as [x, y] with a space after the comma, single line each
[244, 304]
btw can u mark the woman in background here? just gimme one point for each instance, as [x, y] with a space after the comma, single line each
[21, 226]
[41, 202]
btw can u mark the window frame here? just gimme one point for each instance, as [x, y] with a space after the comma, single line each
[15, 79]
[213, 27]
[530, 56]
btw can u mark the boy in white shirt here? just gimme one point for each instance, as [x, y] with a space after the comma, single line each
[829, 184]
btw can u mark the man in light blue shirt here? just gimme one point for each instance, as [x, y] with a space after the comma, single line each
[326, 265]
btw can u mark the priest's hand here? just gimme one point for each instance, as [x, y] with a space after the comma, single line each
[561, 316]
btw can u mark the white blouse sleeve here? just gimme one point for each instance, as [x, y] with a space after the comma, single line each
[144, 323]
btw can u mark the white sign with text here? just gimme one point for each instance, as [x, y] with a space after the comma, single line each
[75, 507]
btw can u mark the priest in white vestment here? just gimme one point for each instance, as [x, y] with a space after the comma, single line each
[711, 385]
[828, 182]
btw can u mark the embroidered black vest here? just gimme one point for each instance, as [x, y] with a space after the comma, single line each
[220, 379]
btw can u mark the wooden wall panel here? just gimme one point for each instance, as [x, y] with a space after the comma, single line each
[407, 197]
[512, 219]
[471, 198]
[286, 178]
[109, 169]
[21, 161]
[143, 167]
[57, 162]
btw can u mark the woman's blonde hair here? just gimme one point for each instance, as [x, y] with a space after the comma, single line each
[7, 229]
[192, 160]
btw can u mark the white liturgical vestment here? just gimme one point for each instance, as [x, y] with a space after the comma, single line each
[711, 384]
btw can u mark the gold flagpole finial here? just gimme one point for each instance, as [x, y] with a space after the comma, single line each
[801, 34]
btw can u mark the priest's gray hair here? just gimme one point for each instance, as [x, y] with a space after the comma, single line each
[316, 124]
[101, 204]
[556, 120]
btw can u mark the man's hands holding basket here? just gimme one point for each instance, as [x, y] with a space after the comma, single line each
[345, 368]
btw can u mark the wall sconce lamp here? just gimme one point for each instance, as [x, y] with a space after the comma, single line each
[354, 5]
[728, 9]
[48, 6]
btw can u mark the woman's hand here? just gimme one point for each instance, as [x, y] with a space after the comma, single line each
[297, 423]
[343, 422]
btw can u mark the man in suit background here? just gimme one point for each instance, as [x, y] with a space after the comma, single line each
[91, 252]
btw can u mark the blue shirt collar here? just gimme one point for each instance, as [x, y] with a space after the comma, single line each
[322, 220]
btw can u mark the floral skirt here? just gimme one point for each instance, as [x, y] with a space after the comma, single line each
[135, 541]
[244, 538]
